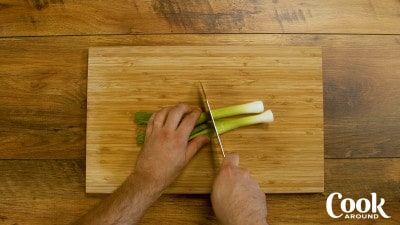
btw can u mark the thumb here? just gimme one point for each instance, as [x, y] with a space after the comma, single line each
[232, 159]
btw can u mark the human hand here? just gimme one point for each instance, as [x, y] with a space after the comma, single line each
[236, 197]
[166, 150]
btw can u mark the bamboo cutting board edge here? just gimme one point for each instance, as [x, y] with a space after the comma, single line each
[107, 54]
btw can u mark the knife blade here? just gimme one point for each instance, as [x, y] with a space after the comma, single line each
[212, 120]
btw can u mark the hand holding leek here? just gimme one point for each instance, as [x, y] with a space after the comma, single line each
[222, 122]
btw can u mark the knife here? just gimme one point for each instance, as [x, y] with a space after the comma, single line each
[212, 120]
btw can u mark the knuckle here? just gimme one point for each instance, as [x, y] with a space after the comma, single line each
[245, 173]
[182, 106]
[164, 109]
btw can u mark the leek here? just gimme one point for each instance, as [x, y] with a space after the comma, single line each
[227, 125]
[252, 107]
[224, 126]
[142, 118]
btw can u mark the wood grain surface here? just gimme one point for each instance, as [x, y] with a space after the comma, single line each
[43, 79]
[53, 192]
[285, 156]
[66, 17]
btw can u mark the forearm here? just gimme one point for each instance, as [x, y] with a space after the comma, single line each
[125, 206]
[164, 155]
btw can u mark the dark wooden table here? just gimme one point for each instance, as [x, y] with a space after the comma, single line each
[43, 74]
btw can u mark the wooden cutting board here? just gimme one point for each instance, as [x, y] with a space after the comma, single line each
[286, 156]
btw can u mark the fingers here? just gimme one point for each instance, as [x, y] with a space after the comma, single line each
[175, 115]
[189, 121]
[195, 145]
[172, 117]
[150, 125]
[160, 117]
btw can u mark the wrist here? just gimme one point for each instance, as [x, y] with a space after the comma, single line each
[145, 186]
